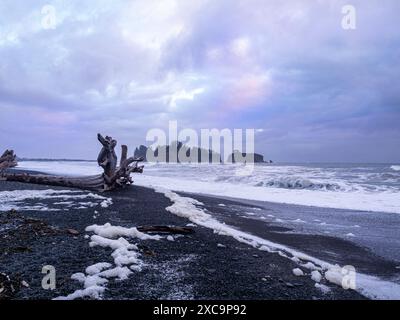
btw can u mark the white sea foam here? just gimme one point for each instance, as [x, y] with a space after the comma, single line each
[367, 285]
[111, 232]
[366, 188]
[362, 200]
[316, 276]
[395, 168]
[56, 200]
[298, 272]
[125, 254]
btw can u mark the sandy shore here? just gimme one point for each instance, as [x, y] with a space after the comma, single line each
[202, 265]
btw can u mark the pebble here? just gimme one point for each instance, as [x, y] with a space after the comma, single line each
[73, 232]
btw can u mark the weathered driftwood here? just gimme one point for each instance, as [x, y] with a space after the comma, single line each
[8, 160]
[165, 229]
[113, 177]
[85, 182]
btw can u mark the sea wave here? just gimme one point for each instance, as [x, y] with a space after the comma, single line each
[349, 187]
[284, 182]
[301, 183]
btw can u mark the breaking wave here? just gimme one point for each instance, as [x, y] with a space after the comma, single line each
[300, 183]
[284, 182]
[373, 187]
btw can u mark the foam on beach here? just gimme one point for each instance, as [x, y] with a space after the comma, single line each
[125, 255]
[370, 286]
[50, 200]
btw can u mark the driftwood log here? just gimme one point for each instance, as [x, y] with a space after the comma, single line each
[113, 177]
[8, 160]
[165, 229]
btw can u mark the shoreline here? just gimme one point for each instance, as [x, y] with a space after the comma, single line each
[203, 265]
[295, 224]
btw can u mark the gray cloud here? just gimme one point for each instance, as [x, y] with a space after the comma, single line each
[319, 92]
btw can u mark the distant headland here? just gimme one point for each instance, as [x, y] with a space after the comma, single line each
[194, 154]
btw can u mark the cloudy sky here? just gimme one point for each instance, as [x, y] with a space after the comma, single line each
[314, 91]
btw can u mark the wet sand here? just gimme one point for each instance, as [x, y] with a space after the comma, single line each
[246, 216]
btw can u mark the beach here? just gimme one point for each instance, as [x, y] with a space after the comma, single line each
[193, 150]
[202, 265]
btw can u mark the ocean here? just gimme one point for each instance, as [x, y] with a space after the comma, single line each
[365, 187]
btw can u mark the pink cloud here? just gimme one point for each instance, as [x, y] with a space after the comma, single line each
[248, 91]
[52, 118]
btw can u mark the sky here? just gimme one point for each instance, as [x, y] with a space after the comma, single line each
[313, 90]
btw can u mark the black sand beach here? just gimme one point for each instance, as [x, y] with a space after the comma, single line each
[201, 265]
